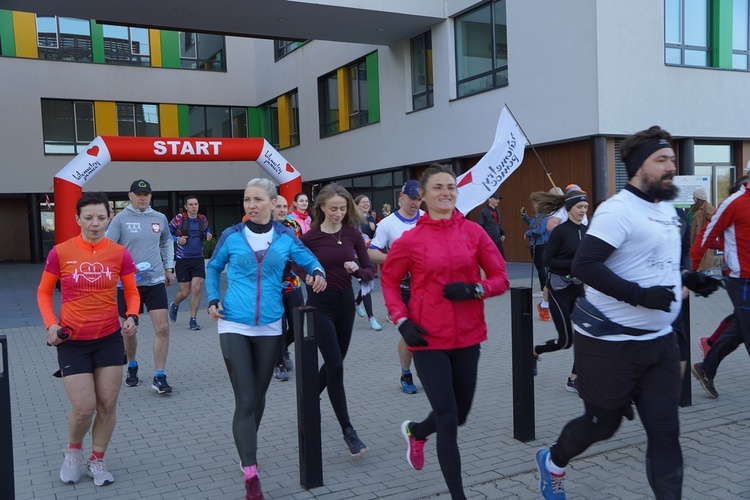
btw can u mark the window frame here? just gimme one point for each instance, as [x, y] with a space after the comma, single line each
[133, 58]
[426, 61]
[60, 52]
[496, 71]
[77, 144]
[681, 45]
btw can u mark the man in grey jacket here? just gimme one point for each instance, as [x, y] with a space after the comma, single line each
[145, 233]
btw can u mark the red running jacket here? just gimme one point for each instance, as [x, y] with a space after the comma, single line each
[438, 252]
[732, 221]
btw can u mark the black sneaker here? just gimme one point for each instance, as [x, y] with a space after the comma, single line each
[706, 382]
[194, 325]
[281, 374]
[572, 385]
[132, 379]
[356, 447]
[160, 385]
[288, 363]
[173, 308]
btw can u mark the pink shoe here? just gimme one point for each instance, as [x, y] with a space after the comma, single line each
[704, 346]
[414, 447]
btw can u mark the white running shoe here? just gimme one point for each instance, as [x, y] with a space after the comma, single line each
[98, 471]
[70, 472]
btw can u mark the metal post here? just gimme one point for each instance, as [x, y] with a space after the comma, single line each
[308, 398]
[522, 346]
[7, 487]
[686, 397]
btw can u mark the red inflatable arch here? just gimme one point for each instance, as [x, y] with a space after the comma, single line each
[69, 181]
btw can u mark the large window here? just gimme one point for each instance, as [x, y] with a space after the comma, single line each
[202, 51]
[328, 100]
[137, 120]
[67, 126]
[284, 47]
[421, 71]
[355, 108]
[64, 38]
[687, 32]
[482, 49]
[124, 45]
[357, 94]
[280, 120]
[270, 117]
[217, 121]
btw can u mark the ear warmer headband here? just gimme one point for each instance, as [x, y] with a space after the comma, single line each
[638, 156]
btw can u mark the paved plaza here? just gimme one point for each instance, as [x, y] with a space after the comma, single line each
[180, 445]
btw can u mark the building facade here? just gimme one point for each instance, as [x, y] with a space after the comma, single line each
[578, 76]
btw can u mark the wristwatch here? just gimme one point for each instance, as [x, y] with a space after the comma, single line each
[478, 291]
[135, 318]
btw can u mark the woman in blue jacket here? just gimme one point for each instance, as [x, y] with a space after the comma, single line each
[254, 253]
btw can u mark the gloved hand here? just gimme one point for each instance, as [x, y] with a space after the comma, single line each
[657, 297]
[412, 334]
[701, 284]
[461, 291]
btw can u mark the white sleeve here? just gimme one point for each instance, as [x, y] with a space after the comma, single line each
[610, 225]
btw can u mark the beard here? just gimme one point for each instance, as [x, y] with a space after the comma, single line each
[658, 191]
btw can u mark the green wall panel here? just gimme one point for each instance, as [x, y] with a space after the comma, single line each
[170, 49]
[722, 33]
[373, 88]
[183, 118]
[254, 122]
[7, 34]
[97, 41]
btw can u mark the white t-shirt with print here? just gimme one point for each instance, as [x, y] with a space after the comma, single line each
[648, 245]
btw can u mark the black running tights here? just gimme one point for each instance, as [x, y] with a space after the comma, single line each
[333, 328]
[449, 379]
[249, 362]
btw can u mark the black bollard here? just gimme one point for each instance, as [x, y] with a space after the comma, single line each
[308, 398]
[7, 485]
[522, 345]
[686, 397]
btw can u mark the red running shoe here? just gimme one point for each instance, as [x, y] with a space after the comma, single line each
[414, 447]
[543, 312]
[252, 489]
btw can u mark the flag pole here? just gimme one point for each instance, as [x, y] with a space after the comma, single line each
[549, 175]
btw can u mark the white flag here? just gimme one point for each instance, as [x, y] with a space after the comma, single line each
[503, 158]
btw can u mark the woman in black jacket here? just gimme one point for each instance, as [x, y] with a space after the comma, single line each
[563, 288]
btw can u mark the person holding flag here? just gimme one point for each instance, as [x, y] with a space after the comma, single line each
[444, 323]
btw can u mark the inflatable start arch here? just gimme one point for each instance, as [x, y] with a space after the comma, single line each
[69, 182]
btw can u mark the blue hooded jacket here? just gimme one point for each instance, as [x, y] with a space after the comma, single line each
[254, 289]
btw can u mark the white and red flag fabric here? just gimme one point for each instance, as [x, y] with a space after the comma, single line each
[477, 184]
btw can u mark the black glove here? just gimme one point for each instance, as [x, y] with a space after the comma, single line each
[657, 297]
[462, 291]
[700, 283]
[412, 334]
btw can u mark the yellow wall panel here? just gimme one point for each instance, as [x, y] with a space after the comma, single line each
[283, 104]
[342, 78]
[24, 26]
[154, 38]
[169, 123]
[105, 118]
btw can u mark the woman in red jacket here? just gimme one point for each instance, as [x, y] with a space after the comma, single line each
[444, 323]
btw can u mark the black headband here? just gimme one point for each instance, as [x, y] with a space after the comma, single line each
[575, 200]
[638, 156]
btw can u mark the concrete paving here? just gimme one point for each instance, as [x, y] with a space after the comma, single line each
[180, 445]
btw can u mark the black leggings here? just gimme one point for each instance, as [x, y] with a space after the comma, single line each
[537, 256]
[561, 303]
[647, 372]
[291, 300]
[449, 379]
[333, 328]
[249, 362]
[367, 301]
